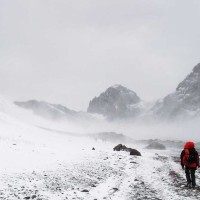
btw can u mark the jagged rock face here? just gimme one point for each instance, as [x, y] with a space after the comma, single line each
[185, 101]
[188, 91]
[45, 109]
[115, 102]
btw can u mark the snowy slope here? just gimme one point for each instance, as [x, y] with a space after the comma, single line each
[55, 112]
[85, 123]
[102, 173]
[47, 165]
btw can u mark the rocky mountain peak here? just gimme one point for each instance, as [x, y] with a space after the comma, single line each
[120, 93]
[191, 84]
[197, 68]
[116, 101]
[185, 101]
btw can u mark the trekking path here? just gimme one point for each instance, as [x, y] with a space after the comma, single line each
[103, 174]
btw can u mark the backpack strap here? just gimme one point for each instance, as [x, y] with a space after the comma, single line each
[187, 153]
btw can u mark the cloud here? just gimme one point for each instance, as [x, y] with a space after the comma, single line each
[69, 51]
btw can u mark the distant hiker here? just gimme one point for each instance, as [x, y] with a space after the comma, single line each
[190, 161]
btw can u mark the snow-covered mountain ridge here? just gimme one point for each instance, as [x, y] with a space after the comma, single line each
[119, 102]
[46, 109]
[54, 111]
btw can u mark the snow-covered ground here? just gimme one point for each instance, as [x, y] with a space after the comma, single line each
[46, 165]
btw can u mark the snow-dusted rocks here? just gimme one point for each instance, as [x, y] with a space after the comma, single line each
[135, 152]
[116, 102]
[117, 148]
[121, 147]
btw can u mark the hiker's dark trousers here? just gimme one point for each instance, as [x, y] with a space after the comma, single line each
[190, 175]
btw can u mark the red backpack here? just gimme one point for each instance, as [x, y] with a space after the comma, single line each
[190, 158]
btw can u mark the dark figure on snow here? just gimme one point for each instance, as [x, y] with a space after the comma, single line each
[190, 162]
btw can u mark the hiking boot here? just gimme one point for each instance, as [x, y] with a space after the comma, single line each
[193, 185]
[189, 185]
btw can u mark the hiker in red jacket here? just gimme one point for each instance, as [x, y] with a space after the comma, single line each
[190, 161]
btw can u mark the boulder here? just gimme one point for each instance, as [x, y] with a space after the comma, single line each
[123, 148]
[85, 190]
[118, 147]
[128, 149]
[135, 152]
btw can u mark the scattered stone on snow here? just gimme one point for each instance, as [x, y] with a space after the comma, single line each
[133, 162]
[118, 147]
[121, 147]
[85, 190]
[135, 152]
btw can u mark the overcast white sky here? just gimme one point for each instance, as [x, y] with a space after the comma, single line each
[68, 51]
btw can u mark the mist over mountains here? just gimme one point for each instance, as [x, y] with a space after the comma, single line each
[53, 111]
[119, 102]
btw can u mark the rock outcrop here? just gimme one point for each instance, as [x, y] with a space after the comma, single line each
[116, 102]
[121, 147]
[185, 101]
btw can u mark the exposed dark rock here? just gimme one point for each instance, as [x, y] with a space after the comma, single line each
[133, 162]
[93, 185]
[121, 147]
[85, 190]
[135, 152]
[118, 147]
[128, 149]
